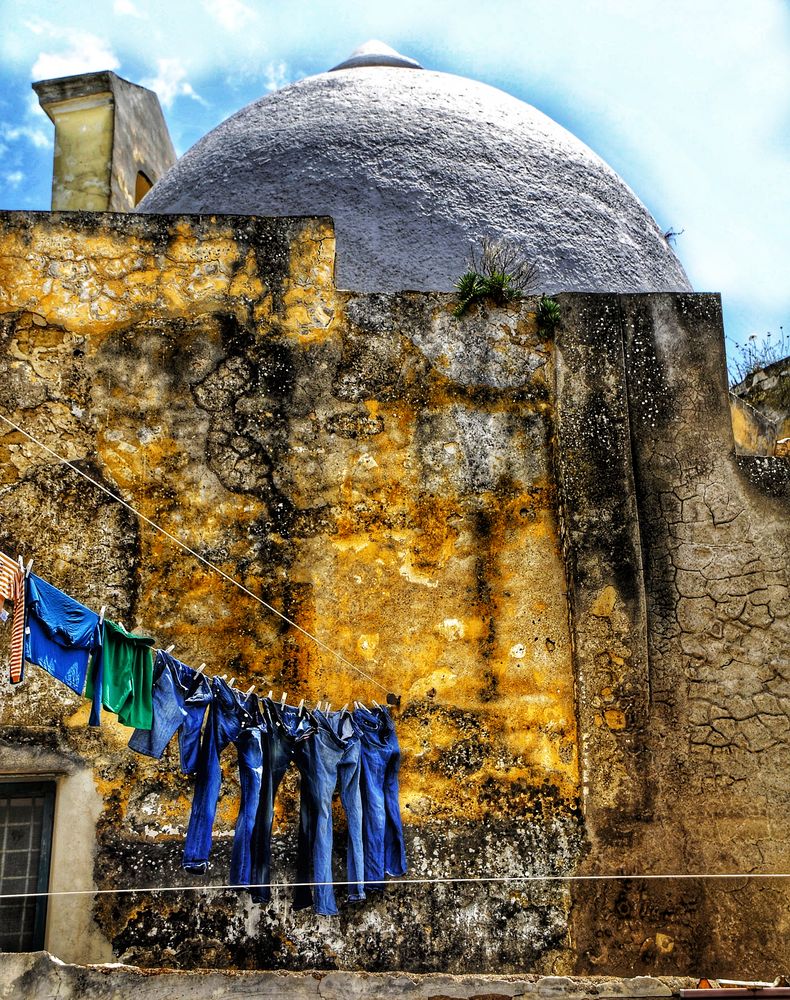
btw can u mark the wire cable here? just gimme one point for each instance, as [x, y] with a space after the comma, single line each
[436, 880]
[192, 552]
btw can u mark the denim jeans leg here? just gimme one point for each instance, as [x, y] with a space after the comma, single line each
[223, 726]
[374, 818]
[322, 759]
[279, 759]
[196, 699]
[250, 750]
[394, 846]
[349, 772]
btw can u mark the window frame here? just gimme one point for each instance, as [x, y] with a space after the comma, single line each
[30, 785]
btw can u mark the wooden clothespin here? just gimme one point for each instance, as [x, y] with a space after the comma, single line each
[249, 692]
[201, 668]
[28, 568]
[328, 707]
[376, 704]
[270, 695]
[101, 614]
[344, 707]
[283, 697]
[301, 706]
[170, 648]
[21, 562]
[231, 682]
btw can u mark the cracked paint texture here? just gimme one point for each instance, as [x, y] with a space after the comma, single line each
[380, 474]
[543, 544]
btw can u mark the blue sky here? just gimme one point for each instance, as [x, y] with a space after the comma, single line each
[689, 100]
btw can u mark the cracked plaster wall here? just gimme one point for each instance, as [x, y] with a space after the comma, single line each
[377, 471]
[705, 745]
[548, 549]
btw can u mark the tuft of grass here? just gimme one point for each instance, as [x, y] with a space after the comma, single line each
[758, 352]
[548, 314]
[497, 271]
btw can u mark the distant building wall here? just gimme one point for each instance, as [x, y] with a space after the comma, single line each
[761, 411]
[111, 141]
[543, 543]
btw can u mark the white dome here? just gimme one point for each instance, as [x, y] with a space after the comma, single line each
[414, 167]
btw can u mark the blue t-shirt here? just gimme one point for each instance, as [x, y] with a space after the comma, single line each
[61, 634]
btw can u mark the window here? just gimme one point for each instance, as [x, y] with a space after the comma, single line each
[26, 810]
[142, 186]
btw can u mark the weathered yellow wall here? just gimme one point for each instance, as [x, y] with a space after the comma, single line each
[754, 434]
[397, 507]
[83, 154]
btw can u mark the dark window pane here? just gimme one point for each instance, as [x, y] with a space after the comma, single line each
[25, 828]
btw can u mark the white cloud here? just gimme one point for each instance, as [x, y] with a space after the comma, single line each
[125, 8]
[15, 178]
[76, 52]
[36, 136]
[275, 75]
[231, 14]
[170, 82]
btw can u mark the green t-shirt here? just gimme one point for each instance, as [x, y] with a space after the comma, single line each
[127, 676]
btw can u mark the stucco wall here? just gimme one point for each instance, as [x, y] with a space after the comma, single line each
[543, 544]
[376, 470]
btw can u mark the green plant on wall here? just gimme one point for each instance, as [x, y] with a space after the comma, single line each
[548, 314]
[497, 271]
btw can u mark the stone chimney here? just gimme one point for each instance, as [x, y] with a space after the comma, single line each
[111, 141]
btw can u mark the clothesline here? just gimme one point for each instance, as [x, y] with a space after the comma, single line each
[186, 548]
[435, 880]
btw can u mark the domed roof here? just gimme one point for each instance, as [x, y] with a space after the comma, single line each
[415, 167]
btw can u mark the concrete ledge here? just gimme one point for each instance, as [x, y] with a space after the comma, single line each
[41, 976]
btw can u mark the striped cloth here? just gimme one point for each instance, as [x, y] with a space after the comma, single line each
[12, 588]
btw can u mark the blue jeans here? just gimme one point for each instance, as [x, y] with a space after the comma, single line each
[180, 697]
[333, 761]
[385, 850]
[287, 734]
[230, 718]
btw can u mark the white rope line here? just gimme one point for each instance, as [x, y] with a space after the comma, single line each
[440, 880]
[192, 552]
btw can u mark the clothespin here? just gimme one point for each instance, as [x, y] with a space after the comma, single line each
[170, 649]
[223, 677]
[301, 706]
[231, 682]
[344, 707]
[21, 564]
[284, 696]
[328, 707]
[201, 668]
[376, 704]
[249, 692]
[269, 695]
[28, 569]
[101, 614]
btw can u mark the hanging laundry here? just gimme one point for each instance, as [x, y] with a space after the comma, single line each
[122, 678]
[232, 718]
[179, 701]
[289, 730]
[385, 851]
[333, 761]
[12, 588]
[61, 633]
